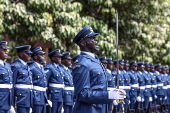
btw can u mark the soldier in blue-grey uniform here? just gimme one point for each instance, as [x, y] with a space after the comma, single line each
[126, 85]
[23, 80]
[89, 76]
[56, 81]
[40, 81]
[110, 82]
[141, 82]
[153, 86]
[165, 82]
[159, 91]
[147, 91]
[168, 94]
[133, 84]
[68, 82]
[121, 80]
[6, 79]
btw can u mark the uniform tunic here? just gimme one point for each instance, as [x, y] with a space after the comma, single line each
[89, 78]
[6, 94]
[22, 76]
[40, 80]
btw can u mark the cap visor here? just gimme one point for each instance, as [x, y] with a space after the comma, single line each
[92, 34]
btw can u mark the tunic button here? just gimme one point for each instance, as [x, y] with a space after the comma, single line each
[98, 73]
[31, 90]
[30, 81]
[44, 81]
[20, 94]
[56, 75]
[38, 76]
[63, 82]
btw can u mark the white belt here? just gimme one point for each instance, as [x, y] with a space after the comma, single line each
[121, 87]
[40, 88]
[164, 87]
[147, 86]
[9, 86]
[154, 86]
[56, 85]
[134, 85]
[168, 86]
[161, 84]
[142, 87]
[126, 87]
[24, 86]
[110, 89]
[69, 88]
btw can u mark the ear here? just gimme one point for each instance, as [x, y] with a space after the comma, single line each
[20, 54]
[35, 57]
[83, 43]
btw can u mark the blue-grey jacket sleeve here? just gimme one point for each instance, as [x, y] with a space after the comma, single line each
[83, 89]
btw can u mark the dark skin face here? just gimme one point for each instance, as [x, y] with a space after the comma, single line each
[167, 71]
[24, 56]
[3, 54]
[126, 68]
[66, 62]
[56, 60]
[134, 68]
[121, 66]
[147, 68]
[140, 68]
[39, 58]
[110, 66]
[89, 44]
[152, 69]
[158, 69]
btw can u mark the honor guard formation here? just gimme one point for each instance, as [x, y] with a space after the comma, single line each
[91, 84]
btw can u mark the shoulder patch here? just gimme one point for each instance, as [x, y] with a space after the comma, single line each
[76, 61]
[75, 66]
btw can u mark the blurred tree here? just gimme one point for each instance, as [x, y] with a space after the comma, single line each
[143, 25]
[51, 21]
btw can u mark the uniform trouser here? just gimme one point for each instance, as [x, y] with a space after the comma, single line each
[56, 107]
[159, 99]
[146, 102]
[4, 111]
[39, 109]
[133, 102]
[110, 106]
[23, 110]
[126, 105]
[67, 109]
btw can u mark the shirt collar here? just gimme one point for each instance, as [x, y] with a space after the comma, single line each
[2, 62]
[23, 62]
[56, 64]
[39, 65]
[89, 53]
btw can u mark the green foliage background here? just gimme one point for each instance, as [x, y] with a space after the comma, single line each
[143, 25]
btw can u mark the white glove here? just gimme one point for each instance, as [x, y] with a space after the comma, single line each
[139, 99]
[165, 97]
[150, 99]
[12, 110]
[115, 103]
[143, 99]
[129, 102]
[62, 110]
[155, 96]
[50, 103]
[30, 110]
[116, 95]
